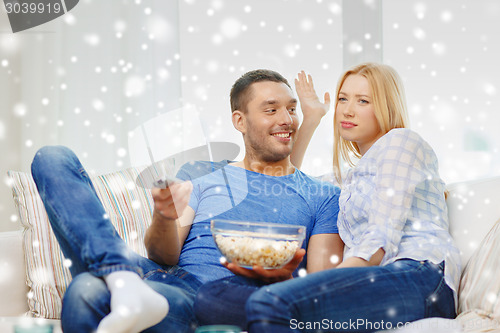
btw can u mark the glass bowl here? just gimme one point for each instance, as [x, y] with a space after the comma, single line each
[270, 245]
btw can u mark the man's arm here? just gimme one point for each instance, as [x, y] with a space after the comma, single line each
[324, 251]
[172, 220]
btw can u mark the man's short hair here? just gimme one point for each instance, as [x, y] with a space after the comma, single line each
[240, 92]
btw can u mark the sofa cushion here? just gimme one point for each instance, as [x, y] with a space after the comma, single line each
[479, 291]
[129, 208]
[473, 208]
[12, 270]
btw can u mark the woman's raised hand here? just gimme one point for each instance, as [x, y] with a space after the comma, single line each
[312, 108]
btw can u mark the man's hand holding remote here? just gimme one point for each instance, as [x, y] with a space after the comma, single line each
[171, 200]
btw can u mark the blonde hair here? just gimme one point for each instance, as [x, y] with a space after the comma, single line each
[389, 103]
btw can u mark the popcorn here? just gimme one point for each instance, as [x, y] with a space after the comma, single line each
[249, 251]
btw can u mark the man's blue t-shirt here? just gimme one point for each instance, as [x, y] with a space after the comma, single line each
[223, 191]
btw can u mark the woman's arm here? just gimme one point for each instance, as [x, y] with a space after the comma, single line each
[400, 163]
[313, 110]
[375, 260]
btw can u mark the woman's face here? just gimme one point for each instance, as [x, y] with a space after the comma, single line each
[355, 113]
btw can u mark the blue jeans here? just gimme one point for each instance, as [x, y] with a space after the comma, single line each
[89, 240]
[361, 299]
[223, 301]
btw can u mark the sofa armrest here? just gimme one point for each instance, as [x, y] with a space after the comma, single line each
[12, 274]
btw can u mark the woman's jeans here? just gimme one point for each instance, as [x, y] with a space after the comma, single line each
[89, 240]
[361, 299]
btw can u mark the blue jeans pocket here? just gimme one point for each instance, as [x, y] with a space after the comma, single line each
[440, 303]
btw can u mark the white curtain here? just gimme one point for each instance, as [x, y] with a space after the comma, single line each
[88, 78]
[447, 53]
[223, 39]
[84, 81]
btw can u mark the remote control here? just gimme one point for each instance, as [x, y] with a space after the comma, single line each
[165, 182]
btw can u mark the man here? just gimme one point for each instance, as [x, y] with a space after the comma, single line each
[115, 290]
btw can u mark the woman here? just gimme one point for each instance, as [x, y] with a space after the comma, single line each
[400, 263]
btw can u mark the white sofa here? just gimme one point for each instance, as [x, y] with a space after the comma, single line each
[13, 289]
[474, 207]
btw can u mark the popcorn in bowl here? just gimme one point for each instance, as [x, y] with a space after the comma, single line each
[270, 245]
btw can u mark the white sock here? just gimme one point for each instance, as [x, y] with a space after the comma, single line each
[134, 305]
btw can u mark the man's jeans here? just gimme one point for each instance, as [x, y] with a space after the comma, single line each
[363, 299]
[223, 301]
[89, 240]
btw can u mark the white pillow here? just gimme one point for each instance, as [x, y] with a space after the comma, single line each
[479, 292]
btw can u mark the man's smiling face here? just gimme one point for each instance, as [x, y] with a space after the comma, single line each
[270, 121]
